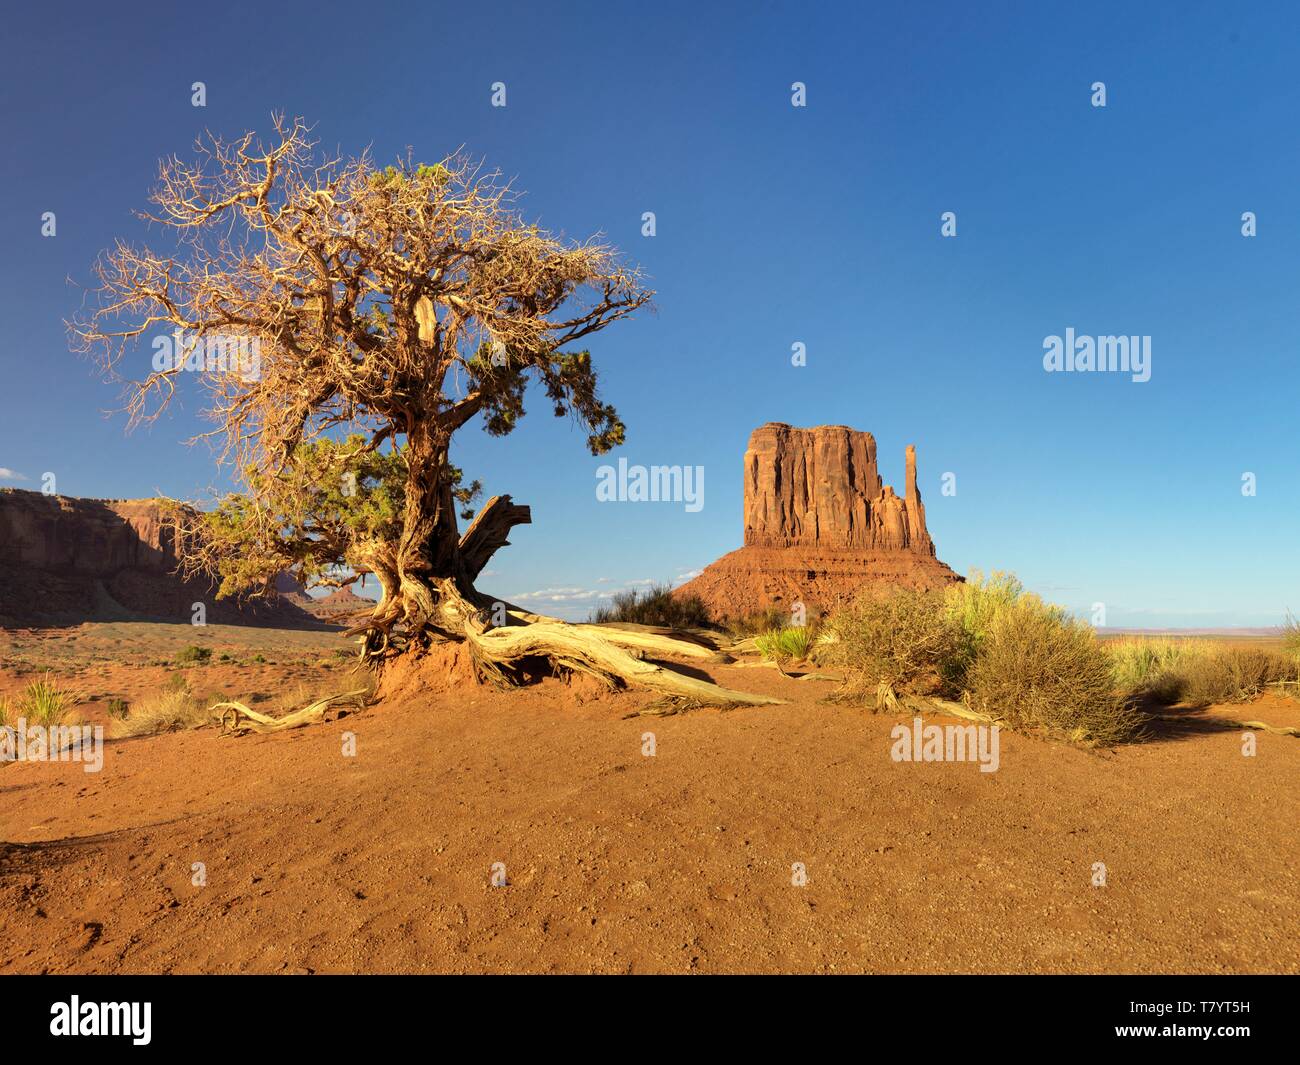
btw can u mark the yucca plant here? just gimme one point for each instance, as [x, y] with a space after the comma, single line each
[44, 703]
[793, 641]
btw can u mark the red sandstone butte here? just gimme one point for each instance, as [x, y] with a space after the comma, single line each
[819, 526]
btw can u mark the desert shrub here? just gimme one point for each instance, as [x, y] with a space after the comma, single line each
[176, 683]
[793, 641]
[975, 606]
[194, 655]
[6, 711]
[1233, 674]
[1038, 669]
[165, 711]
[119, 709]
[904, 640]
[980, 600]
[655, 605]
[1291, 635]
[43, 702]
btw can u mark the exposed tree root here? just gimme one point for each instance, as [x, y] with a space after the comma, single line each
[237, 719]
[506, 641]
[668, 706]
[586, 649]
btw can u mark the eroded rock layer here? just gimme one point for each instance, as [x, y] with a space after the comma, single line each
[819, 524]
[65, 560]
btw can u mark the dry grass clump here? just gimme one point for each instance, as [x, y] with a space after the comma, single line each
[1197, 671]
[655, 605]
[1231, 674]
[176, 709]
[165, 711]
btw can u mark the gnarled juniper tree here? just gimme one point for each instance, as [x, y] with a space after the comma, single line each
[386, 308]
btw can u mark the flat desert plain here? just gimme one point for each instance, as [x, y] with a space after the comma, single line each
[616, 860]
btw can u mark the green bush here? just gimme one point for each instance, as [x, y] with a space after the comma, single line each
[119, 709]
[975, 606]
[655, 605]
[194, 655]
[1037, 669]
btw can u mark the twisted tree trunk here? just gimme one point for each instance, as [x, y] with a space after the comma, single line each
[429, 597]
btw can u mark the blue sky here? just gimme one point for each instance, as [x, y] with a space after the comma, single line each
[775, 225]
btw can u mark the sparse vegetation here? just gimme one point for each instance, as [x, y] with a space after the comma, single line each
[194, 655]
[790, 642]
[1013, 657]
[655, 605]
[119, 709]
[167, 711]
[1197, 671]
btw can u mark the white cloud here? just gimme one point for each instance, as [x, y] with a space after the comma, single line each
[6, 474]
[559, 595]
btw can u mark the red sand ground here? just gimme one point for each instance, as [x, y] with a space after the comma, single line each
[619, 862]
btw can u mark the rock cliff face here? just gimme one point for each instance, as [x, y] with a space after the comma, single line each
[819, 524]
[66, 560]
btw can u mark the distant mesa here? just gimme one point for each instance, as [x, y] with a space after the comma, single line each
[819, 526]
[65, 560]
